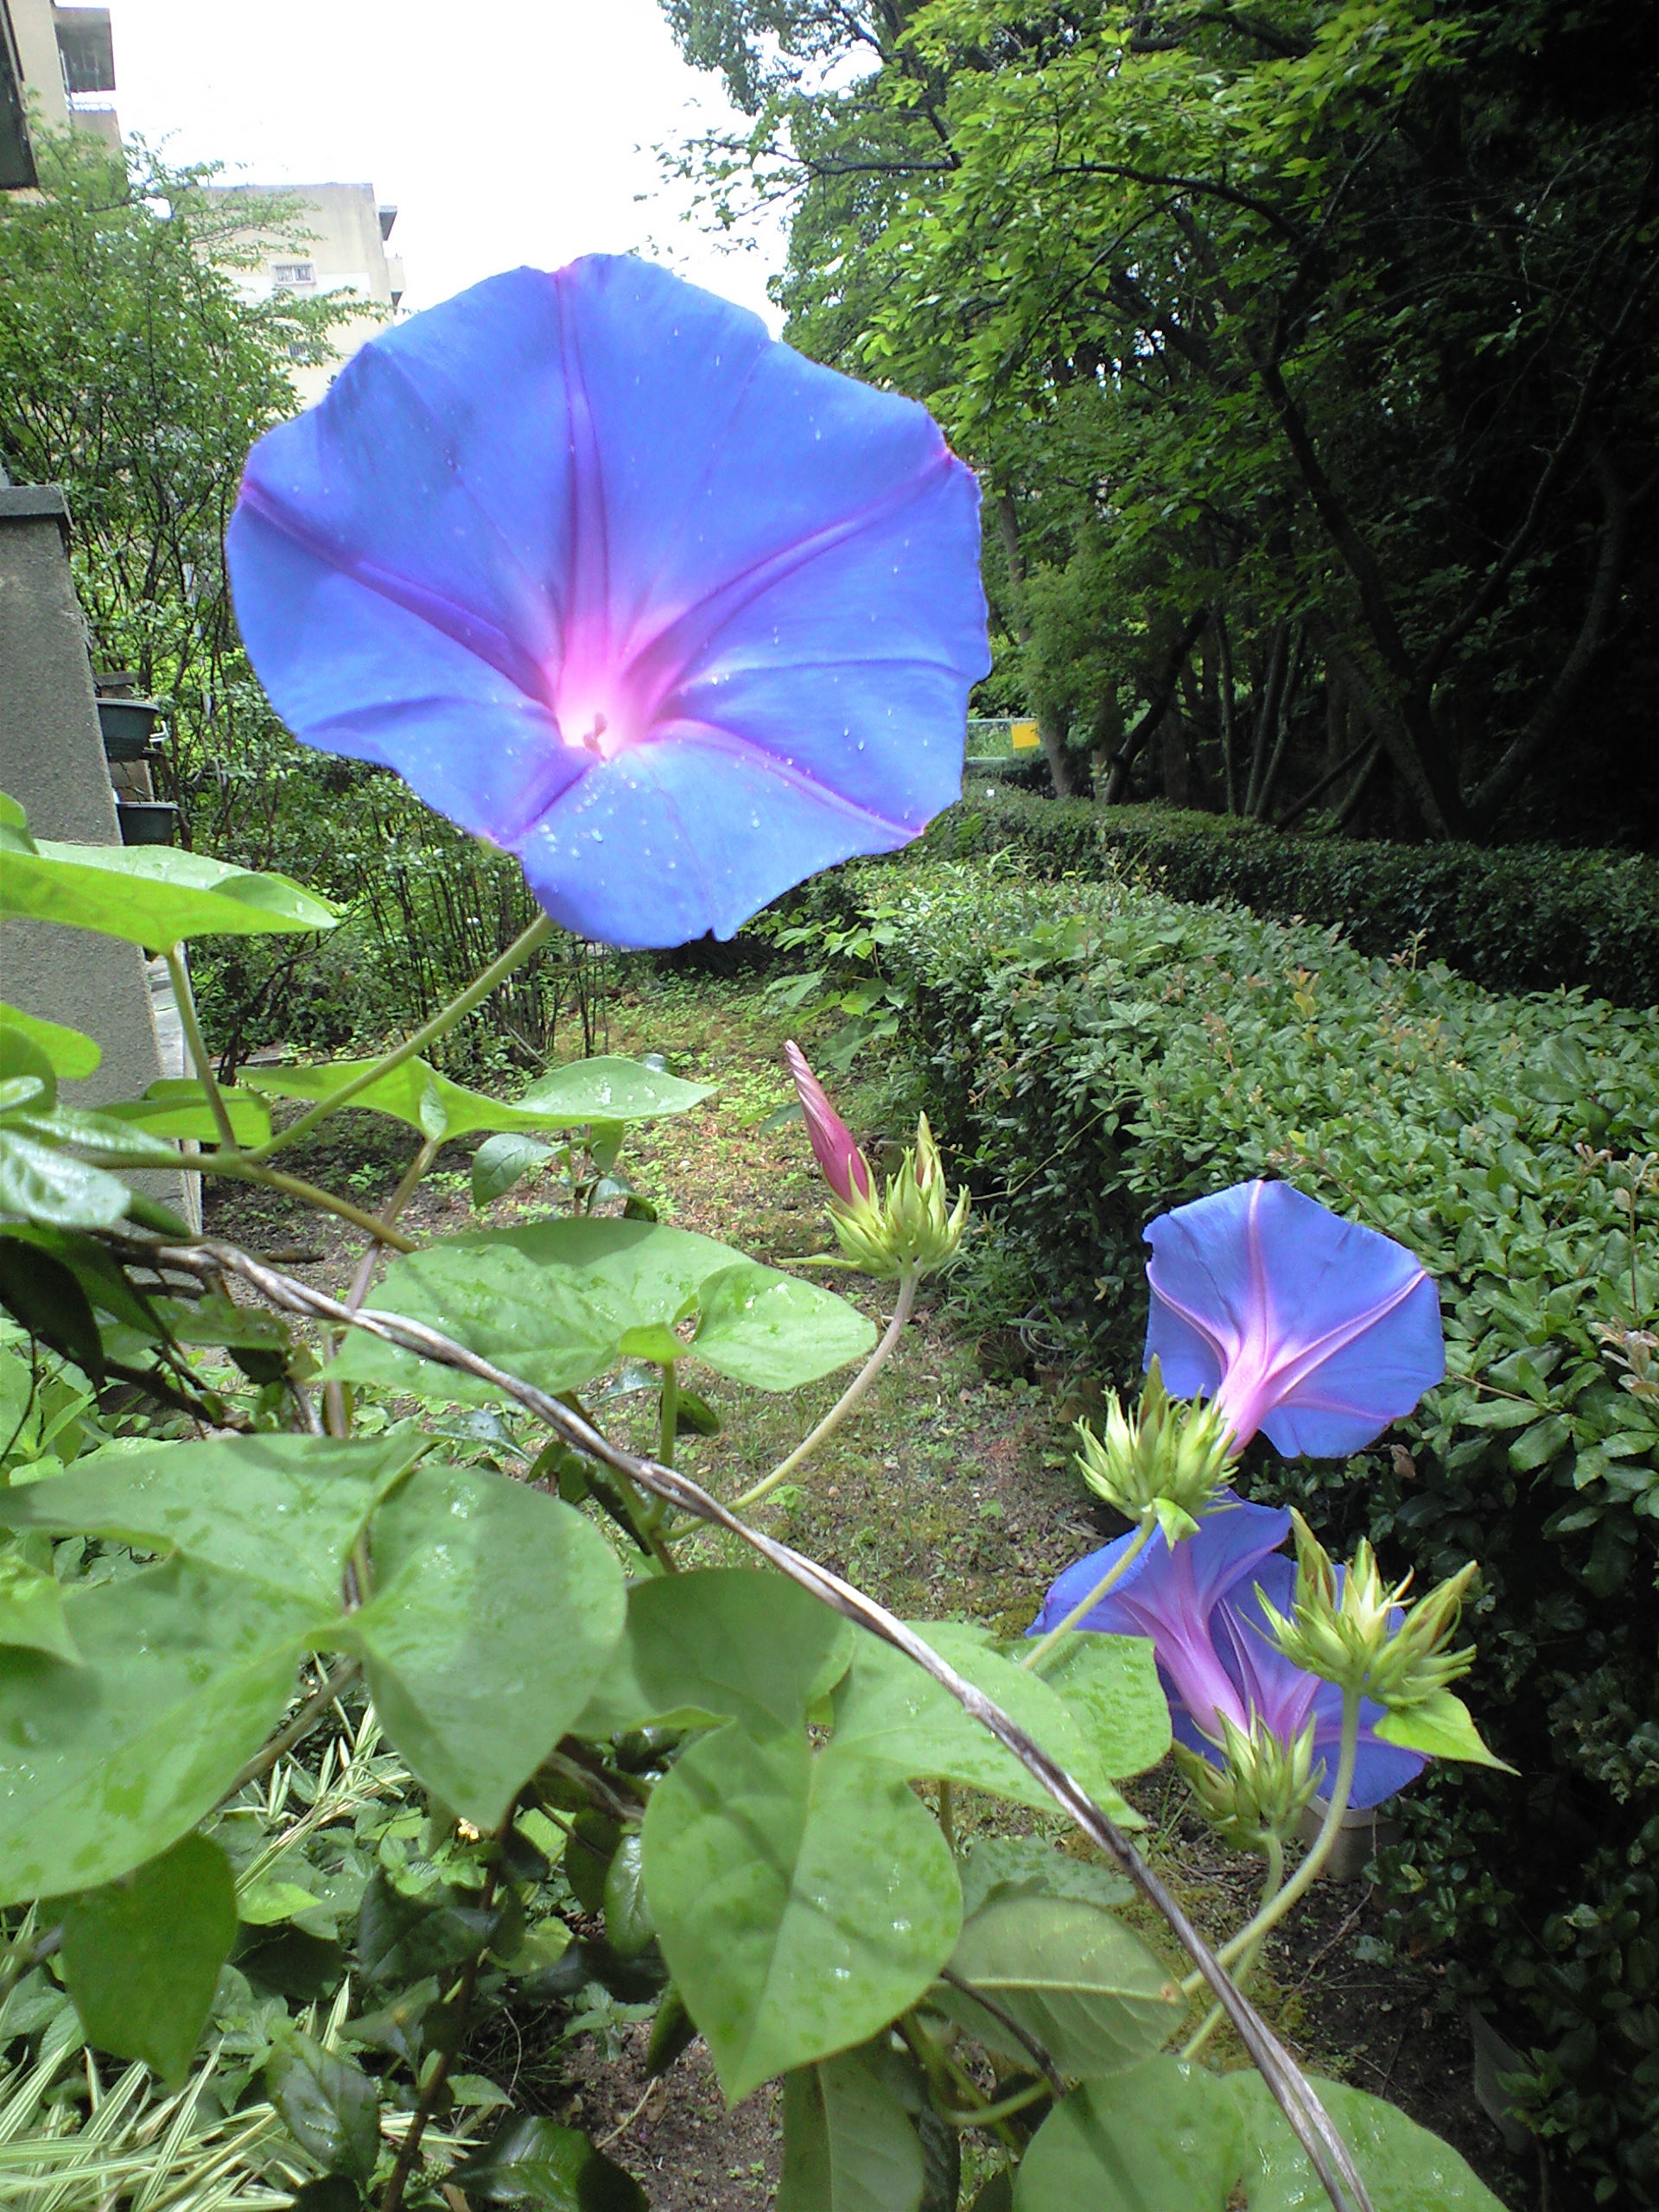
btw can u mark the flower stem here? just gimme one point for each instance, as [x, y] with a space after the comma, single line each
[442, 1023]
[193, 1037]
[1113, 1574]
[1250, 1936]
[1275, 1852]
[334, 1394]
[243, 1168]
[849, 1400]
[409, 2150]
[668, 1429]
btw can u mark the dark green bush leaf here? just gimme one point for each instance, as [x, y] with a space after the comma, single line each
[331, 2107]
[532, 2160]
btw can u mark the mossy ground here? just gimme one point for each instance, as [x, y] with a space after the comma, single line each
[949, 1494]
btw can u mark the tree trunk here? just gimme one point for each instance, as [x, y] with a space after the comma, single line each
[1229, 738]
[1052, 737]
[1157, 706]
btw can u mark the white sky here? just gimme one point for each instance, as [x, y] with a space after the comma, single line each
[504, 130]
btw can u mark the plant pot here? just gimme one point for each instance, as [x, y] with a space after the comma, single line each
[146, 822]
[1361, 1835]
[1496, 2057]
[128, 725]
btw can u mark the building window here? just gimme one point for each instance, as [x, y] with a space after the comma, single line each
[292, 275]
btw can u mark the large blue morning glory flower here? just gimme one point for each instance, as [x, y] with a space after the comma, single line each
[618, 581]
[1315, 1329]
[1200, 1603]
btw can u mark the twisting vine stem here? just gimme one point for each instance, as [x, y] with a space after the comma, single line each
[1311, 2123]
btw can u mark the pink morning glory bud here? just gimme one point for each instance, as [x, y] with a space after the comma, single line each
[843, 1166]
[1311, 1328]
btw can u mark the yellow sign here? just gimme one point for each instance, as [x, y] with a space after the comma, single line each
[1023, 738]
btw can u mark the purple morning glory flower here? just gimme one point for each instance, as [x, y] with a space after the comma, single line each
[622, 584]
[1296, 1322]
[1169, 1596]
[1199, 1604]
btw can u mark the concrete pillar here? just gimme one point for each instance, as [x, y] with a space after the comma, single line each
[51, 762]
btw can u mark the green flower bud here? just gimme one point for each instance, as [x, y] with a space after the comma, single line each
[1263, 1790]
[1349, 1636]
[912, 1228]
[1172, 1456]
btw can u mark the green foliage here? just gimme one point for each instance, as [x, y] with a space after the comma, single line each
[849, 2144]
[1518, 917]
[1106, 1053]
[142, 1956]
[1221, 2144]
[149, 894]
[559, 1302]
[1316, 431]
[535, 2161]
[1071, 1975]
[136, 373]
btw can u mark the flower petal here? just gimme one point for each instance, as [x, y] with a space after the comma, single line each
[843, 1166]
[1315, 1329]
[615, 579]
[1170, 1595]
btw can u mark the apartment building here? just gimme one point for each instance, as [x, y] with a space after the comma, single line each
[335, 240]
[57, 73]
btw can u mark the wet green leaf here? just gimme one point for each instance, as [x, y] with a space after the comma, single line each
[414, 1093]
[801, 1902]
[184, 1670]
[1071, 1975]
[494, 1612]
[556, 1303]
[280, 1511]
[848, 2142]
[719, 1642]
[149, 894]
[532, 2160]
[1168, 2134]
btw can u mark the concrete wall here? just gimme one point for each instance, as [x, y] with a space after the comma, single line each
[51, 762]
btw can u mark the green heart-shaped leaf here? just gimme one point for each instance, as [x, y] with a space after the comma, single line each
[1071, 1975]
[495, 1611]
[1169, 2135]
[184, 1670]
[141, 1955]
[558, 1302]
[149, 894]
[606, 1089]
[801, 1902]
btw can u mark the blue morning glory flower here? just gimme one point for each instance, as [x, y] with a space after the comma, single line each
[1311, 1328]
[1199, 1604]
[622, 584]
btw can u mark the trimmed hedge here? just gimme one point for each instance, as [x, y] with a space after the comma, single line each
[1516, 918]
[1100, 1053]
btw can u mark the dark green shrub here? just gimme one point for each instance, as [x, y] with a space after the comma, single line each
[1100, 1053]
[1514, 918]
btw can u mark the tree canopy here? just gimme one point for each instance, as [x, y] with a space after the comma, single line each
[1306, 350]
[136, 372]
